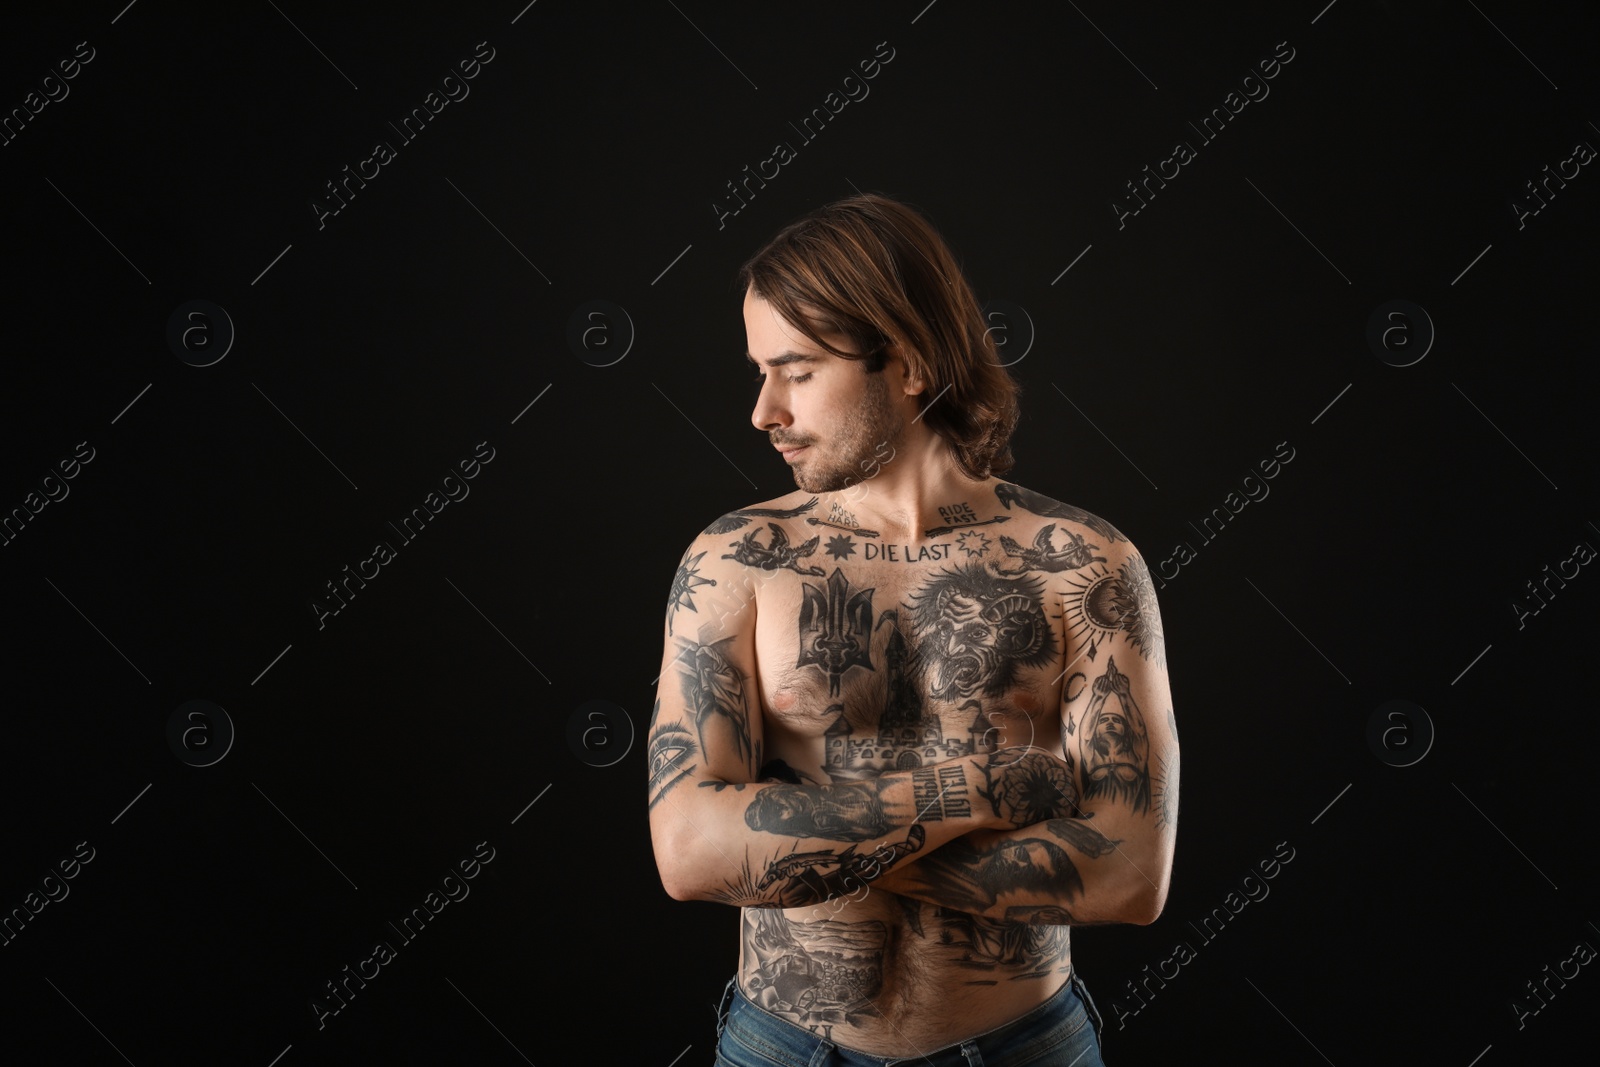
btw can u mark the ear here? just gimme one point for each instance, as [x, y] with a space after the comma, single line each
[912, 383]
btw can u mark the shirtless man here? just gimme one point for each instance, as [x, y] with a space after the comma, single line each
[913, 719]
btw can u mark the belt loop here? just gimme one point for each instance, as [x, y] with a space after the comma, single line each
[823, 1055]
[1088, 1002]
[727, 1002]
[969, 1049]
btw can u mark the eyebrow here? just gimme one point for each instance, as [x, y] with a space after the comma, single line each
[784, 359]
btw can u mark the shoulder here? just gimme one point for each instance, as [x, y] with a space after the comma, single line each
[1104, 583]
[726, 561]
[791, 506]
[1023, 502]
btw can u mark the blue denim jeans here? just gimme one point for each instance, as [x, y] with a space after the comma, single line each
[1064, 1031]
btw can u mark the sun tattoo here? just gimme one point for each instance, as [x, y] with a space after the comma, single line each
[1099, 604]
[684, 583]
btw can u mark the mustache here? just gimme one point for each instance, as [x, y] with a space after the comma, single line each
[787, 442]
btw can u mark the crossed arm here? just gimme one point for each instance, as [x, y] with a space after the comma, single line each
[1110, 860]
[1080, 836]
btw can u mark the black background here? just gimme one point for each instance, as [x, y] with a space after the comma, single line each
[374, 352]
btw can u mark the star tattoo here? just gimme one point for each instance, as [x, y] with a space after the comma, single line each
[841, 547]
[972, 543]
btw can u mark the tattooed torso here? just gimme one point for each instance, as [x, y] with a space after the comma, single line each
[878, 655]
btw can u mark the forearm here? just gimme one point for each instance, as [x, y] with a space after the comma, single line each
[773, 844]
[1058, 871]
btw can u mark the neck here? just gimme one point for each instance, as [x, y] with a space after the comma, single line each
[916, 489]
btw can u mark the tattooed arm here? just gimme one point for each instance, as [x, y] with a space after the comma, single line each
[1111, 862]
[721, 835]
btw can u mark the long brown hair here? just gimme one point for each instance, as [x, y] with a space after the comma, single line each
[875, 271]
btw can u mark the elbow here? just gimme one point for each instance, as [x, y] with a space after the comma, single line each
[677, 887]
[674, 864]
[682, 880]
[1148, 901]
[1141, 902]
[1146, 908]
[685, 873]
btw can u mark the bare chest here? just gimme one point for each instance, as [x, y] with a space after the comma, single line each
[891, 657]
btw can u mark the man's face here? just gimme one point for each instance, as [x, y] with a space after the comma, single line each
[1113, 747]
[1017, 863]
[834, 423]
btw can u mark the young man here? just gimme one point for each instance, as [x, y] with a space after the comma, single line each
[913, 719]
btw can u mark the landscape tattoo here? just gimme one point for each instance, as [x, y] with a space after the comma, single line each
[814, 974]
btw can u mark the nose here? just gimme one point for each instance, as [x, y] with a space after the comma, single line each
[770, 413]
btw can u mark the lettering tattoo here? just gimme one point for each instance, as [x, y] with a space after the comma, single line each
[776, 554]
[1114, 743]
[902, 553]
[835, 813]
[1101, 604]
[735, 520]
[684, 583]
[713, 689]
[957, 514]
[851, 526]
[975, 630]
[940, 531]
[940, 792]
[1044, 556]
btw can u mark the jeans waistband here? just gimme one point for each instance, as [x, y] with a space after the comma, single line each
[1006, 1036]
